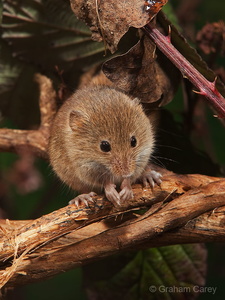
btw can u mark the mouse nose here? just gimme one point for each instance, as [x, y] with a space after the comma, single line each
[123, 167]
[127, 175]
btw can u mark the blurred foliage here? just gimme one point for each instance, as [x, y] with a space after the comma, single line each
[40, 36]
[132, 275]
[169, 12]
[1, 12]
[44, 33]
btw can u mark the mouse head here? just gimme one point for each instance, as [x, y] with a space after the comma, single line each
[111, 132]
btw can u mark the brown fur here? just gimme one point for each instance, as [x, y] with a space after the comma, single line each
[92, 115]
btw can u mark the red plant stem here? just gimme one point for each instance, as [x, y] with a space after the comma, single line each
[206, 88]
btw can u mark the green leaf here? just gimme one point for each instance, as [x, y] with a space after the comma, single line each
[159, 273]
[47, 34]
[169, 12]
[37, 36]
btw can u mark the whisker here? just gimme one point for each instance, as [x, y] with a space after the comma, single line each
[169, 133]
[168, 146]
[159, 163]
[165, 158]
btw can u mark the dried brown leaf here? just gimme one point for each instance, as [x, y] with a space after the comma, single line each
[144, 73]
[110, 20]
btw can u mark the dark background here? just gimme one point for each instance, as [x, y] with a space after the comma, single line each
[50, 195]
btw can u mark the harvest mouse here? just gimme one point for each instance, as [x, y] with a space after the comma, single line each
[101, 140]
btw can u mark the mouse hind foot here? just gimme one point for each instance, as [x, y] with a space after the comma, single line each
[83, 199]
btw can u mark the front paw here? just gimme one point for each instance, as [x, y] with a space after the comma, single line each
[126, 194]
[112, 194]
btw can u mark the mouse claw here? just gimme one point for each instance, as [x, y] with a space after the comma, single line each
[156, 177]
[151, 177]
[112, 194]
[83, 199]
[126, 192]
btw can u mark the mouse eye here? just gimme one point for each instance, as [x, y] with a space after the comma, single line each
[105, 146]
[133, 141]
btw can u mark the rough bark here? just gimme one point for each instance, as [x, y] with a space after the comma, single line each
[185, 209]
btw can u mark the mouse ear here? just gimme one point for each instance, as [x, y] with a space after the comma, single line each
[76, 119]
[136, 100]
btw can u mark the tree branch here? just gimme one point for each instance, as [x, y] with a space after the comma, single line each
[13, 140]
[187, 208]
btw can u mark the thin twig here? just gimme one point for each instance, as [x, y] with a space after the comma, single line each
[206, 88]
[14, 140]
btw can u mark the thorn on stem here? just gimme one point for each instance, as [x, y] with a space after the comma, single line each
[214, 87]
[199, 92]
[168, 37]
[219, 116]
